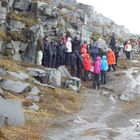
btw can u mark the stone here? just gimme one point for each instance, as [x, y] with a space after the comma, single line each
[34, 91]
[22, 5]
[33, 97]
[3, 13]
[16, 26]
[64, 72]
[19, 75]
[36, 72]
[34, 107]
[14, 86]
[23, 47]
[54, 77]
[2, 72]
[127, 97]
[73, 83]
[12, 109]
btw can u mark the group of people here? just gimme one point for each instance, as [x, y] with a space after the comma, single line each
[79, 58]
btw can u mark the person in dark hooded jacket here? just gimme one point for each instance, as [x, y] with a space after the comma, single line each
[76, 45]
[95, 51]
[54, 56]
[48, 53]
[79, 64]
[61, 54]
[73, 64]
[112, 43]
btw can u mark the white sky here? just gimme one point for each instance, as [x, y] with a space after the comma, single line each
[123, 12]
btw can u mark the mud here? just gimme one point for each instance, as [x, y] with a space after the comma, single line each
[104, 117]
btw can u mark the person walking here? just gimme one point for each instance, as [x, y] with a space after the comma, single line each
[111, 59]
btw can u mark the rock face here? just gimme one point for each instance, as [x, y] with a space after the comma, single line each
[22, 21]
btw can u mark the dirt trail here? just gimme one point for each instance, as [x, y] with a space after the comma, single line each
[104, 117]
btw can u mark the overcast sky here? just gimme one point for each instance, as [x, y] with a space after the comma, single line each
[123, 12]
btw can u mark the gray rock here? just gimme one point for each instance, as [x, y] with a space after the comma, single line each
[14, 86]
[36, 72]
[2, 72]
[19, 75]
[34, 91]
[33, 97]
[73, 83]
[22, 5]
[54, 77]
[34, 107]
[16, 26]
[3, 13]
[127, 97]
[23, 47]
[64, 72]
[13, 110]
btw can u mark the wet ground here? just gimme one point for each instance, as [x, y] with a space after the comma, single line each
[112, 113]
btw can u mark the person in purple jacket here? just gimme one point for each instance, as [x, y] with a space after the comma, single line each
[96, 72]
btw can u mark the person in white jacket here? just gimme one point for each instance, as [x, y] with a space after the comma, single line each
[69, 51]
[128, 49]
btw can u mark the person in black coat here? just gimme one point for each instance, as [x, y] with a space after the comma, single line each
[79, 64]
[48, 53]
[54, 54]
[73, 64]
[61, 54]
[76, 45]
[112, 43]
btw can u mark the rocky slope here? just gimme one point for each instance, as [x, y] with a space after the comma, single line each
[22, 21]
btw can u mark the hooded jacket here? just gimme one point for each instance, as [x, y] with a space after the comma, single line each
[111, 57]
[84, 49]
[87, 62]
[104, 64]
[97, 67]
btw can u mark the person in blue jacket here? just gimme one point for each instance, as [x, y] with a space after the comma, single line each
[104, 68]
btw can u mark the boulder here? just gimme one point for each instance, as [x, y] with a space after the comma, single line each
[73, 83]
[54, 77]
[11, 111]
[22, 5]
[23, 47]
[19, 75]
[14, 86]
[64, 72]
[33, 97]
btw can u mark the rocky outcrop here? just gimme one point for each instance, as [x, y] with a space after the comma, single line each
[22, 21]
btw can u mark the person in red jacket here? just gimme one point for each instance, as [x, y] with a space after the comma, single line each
[111, 59]
[87, 65]
[84, 48]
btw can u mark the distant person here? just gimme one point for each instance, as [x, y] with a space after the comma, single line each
[87, 66]
[95, 51]
[48, 53]
[79, 64]
[76, 44]
[96, 72]
[111, 59]
[104, 68]
[128, 49]
[68, 51]
[84, 48]
[40, 49]
[112, 43]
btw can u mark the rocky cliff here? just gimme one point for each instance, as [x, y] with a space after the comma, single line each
[22, 21]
